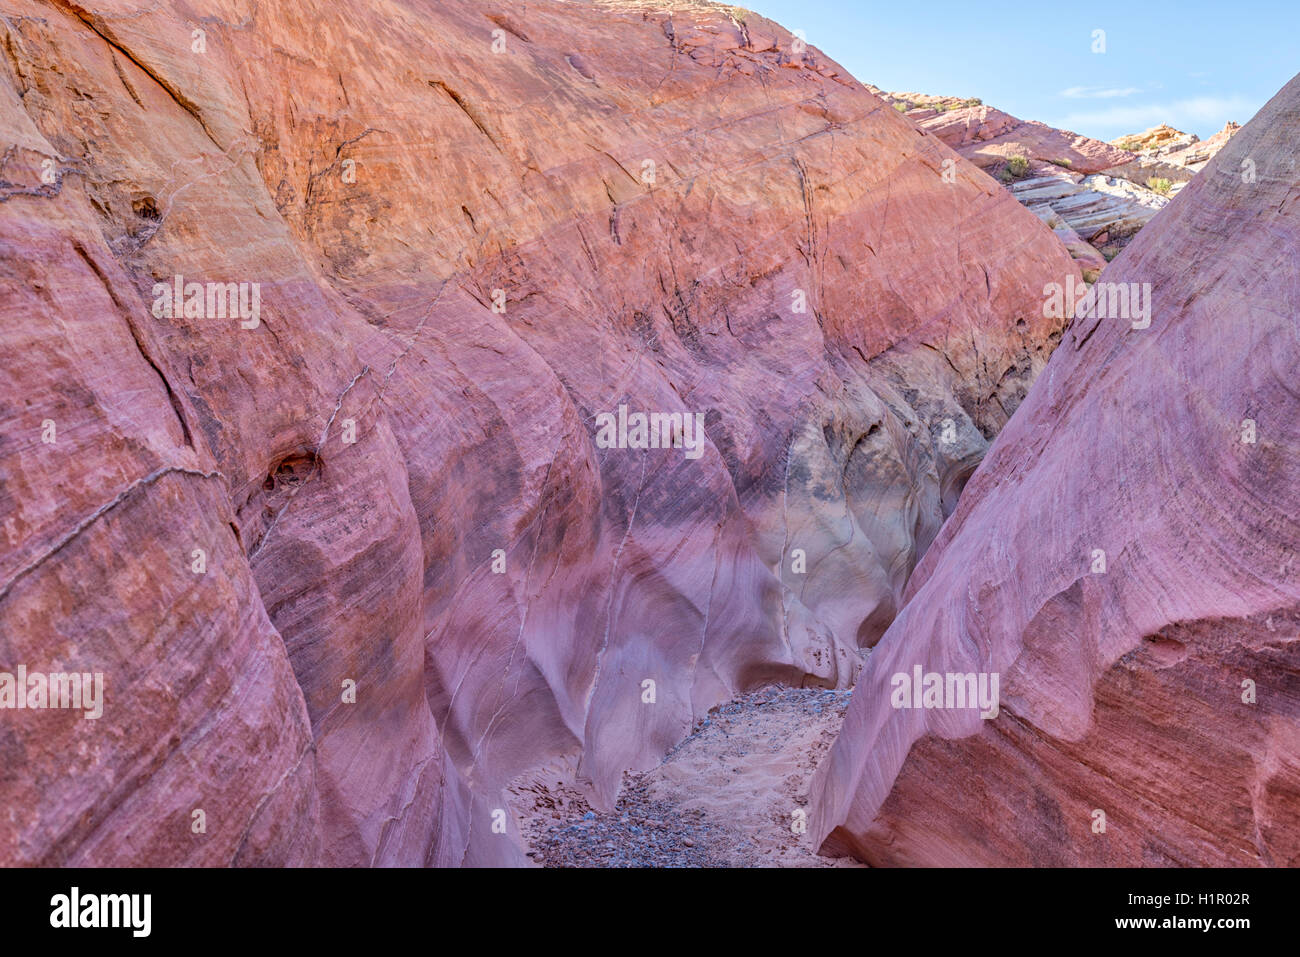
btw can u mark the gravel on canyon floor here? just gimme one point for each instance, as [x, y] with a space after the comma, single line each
[732, 794]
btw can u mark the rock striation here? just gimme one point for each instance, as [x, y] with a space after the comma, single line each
[324, 445]
[1124, 560]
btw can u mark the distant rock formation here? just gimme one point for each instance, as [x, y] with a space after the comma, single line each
[1157, 142]
[989, 138]
[1176, 147]
[1094, 195]
[1124, 559]
[1198, 154]
[334, 352]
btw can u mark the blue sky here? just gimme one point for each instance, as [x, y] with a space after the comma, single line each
[1194, 64]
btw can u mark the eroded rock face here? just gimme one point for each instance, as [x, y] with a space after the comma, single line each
[354, 560]
[1124, 560]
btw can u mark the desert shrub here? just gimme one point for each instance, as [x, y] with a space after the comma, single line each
[1160, 185]
[1017, 166]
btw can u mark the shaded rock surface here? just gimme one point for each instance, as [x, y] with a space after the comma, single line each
[474, 230]
[1124, 559]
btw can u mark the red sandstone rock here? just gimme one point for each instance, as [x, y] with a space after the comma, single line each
[988, 137]
[475, 228]
[1124, 559]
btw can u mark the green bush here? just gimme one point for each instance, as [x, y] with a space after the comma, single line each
[1160, 185]
[945, 107]
[1062, 162]
[1017, 166]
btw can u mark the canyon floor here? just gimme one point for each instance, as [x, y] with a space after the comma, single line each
[726, 796]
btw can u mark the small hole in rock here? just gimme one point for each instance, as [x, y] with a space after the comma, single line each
[146, 208]
[291, 471]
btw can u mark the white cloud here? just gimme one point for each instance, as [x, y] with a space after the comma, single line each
[1194, 114]
[1098, 92]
